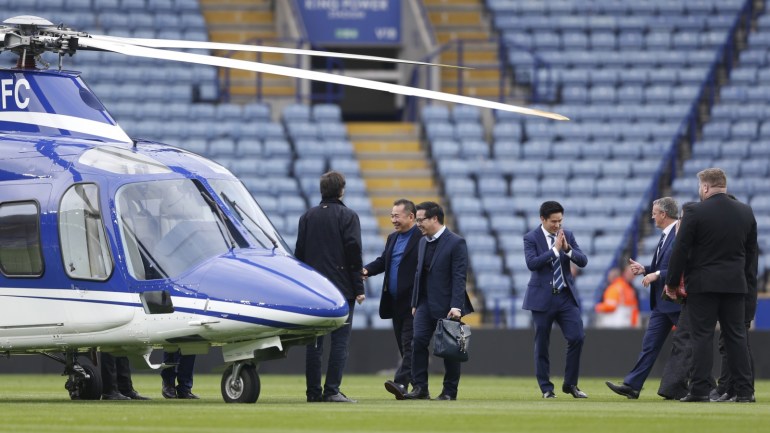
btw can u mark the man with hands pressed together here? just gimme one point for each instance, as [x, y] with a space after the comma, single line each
[550, 296]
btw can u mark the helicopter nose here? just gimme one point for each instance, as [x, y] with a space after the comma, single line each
[272, 289]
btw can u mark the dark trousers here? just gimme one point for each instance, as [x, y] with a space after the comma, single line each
[564, 311]
[338, 356]
[403, 328]
[706, 309]
[116, 374]
[654, 337]
[180, 375]
[725, 385]
[424, 326]
[675, 382]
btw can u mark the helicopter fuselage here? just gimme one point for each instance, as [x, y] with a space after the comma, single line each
[129, 246]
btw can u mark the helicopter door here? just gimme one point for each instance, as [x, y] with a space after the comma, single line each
[97, 301]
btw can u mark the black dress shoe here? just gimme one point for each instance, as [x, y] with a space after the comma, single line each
[396, 389]
[338, 398]
[715, 395]
[115, 395]
[314, 399]
[623, 390]
[725, 398]
[745, 399]
[169, 391]
[133, 395]
[549, 394]
[574, 391]
[417, 394]
[443, 396]
[186, 395]
[690, 398]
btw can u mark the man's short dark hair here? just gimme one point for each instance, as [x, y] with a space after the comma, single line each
[550, 207]
[408, 205]
[332, 184]
[432, 209]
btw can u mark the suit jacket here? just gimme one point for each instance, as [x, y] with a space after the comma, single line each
[716, 248]
[329, 240]
[447, 274]
[660, 263]
[402, 305]
[539, 257]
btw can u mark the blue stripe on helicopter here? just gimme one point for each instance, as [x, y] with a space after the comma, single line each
[221, 315]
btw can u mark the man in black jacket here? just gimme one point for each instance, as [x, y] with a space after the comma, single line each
[329, 240]
[399, 263]
[715, 250]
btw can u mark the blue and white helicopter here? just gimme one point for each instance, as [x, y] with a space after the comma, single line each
[113, 244]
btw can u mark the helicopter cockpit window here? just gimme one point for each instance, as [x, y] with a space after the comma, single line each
[121, 161]
[168, 227]
[20, 254]
[261, 231]
[84, 245]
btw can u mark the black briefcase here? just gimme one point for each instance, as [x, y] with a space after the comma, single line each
[451, 340]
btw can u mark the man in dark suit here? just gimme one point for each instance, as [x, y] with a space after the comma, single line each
[399, 263]
[116, 379]
[665, 315]
[715, 250]
[329, 240]
[551, 296]
[439, 292]
[725, 391]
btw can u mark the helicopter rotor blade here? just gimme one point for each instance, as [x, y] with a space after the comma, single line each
[179, 44]
[139, 51]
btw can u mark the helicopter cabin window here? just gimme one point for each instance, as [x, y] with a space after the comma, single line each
[168, 227]
[84, 245]
[20, 253]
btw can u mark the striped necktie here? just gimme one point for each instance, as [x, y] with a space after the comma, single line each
[558, 278]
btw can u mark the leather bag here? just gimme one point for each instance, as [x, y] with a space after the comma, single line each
[451, 340]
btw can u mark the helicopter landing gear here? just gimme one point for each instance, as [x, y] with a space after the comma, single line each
[84, 380]
[240, 383]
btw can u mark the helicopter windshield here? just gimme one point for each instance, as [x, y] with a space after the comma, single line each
[167, 227]
[243, 206]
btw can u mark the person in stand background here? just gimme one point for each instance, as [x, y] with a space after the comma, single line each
[178, 380]
[552, 297]
[329, 240]
[619, 307]
[399, 263]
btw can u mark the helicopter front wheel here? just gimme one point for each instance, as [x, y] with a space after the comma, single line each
[240, 383]
[85, 380]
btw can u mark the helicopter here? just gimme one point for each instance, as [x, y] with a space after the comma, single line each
[115, 244]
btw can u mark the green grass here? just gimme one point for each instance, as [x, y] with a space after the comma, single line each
[38, 403]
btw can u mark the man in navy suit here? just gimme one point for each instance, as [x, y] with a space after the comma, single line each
[439, 292]
[665, 315]
[550, 296]
[399, 263]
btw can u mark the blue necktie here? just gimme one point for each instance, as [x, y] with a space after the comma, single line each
[558, 278]
[660, 245]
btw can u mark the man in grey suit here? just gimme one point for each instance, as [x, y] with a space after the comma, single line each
[716, 249]
[439, 292]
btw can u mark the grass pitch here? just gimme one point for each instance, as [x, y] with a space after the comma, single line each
[39, 403]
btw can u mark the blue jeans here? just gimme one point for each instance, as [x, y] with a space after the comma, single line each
[338, 356]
